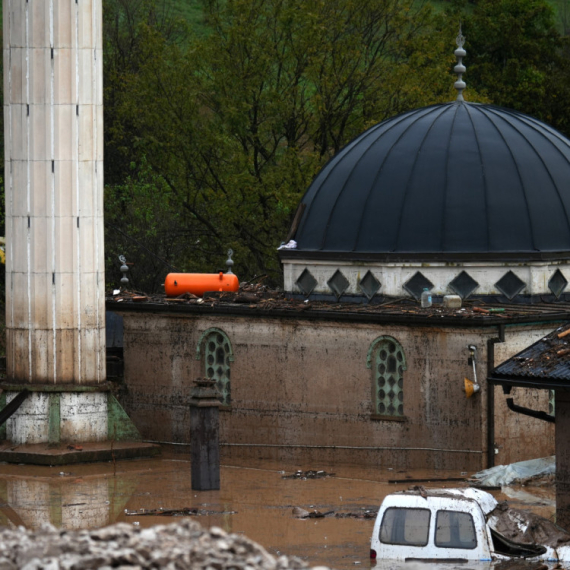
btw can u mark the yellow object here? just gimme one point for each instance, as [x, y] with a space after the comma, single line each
[3, 250]
[471, 388]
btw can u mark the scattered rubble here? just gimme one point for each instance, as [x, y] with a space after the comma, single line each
[177, 546]
[519, 564]
[537, 472]
[259, 297]
[304, 475]
[364, 514]
[301, 513]
[526, 528]
[184, 512]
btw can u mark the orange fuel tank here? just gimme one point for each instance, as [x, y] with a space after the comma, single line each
[198, 283]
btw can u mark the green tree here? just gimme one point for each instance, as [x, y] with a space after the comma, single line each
[124, 25]
[237, 122]
[142, 223]
[517, 57]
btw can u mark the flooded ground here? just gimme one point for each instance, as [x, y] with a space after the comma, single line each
[254, 499]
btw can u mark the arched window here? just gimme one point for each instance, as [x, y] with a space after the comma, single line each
[216, 348]
[387, 360]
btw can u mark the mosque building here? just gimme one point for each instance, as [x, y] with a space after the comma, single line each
[460, 199]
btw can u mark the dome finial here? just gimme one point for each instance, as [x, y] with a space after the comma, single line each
[460, 69]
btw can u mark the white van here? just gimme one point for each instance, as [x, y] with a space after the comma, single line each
[458, 525]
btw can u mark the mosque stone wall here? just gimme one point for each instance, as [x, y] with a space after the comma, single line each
[301, 390]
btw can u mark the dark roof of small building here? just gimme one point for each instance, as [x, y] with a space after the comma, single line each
[544, 364]
[448, 179]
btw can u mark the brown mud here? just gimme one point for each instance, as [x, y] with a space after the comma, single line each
[255, 499]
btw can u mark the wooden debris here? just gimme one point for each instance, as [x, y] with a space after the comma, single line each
[300, 513]
[308, 475]
[420, 489]
[182, 512]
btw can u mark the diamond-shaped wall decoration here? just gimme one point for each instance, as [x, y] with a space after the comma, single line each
[306, 282]
[463, 285]
[510, 285]
[557, 283]
[369, 285]
[417, 284]
[338, 283]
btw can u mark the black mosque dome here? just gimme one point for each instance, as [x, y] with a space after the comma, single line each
[457, 180]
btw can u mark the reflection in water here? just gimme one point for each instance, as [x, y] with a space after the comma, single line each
[66, 502]
[67, 506]
[95, 495]
[386, 565]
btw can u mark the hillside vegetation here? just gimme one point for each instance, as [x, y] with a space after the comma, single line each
[191, 10]
[218, 113]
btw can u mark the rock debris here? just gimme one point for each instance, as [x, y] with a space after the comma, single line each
[177, 546]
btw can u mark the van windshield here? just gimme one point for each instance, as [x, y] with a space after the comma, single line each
[408, 527]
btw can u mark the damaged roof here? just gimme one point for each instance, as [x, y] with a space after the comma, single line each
[261, 301]
[544, 364]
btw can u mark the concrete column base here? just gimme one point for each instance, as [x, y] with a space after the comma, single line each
[54, 417]
[68, 424]
[65, 454]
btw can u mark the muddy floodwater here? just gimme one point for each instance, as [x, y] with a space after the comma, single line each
[254, 499]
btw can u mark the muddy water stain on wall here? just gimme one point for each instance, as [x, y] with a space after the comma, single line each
[302, 390]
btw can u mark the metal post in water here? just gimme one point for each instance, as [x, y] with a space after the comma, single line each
[562, 437]
[205, 445]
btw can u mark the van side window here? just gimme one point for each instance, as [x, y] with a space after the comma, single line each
[455, 530]
[408, 527]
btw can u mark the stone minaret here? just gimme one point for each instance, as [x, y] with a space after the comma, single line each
[55, 300]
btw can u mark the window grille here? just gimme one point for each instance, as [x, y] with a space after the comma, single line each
[387, 360]
[217, 353]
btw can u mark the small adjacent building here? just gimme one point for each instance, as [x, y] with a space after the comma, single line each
[545, 366]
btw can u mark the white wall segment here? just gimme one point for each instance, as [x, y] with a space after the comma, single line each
[30, 424]
[393, 276]
[53, 113]
[83, 416]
